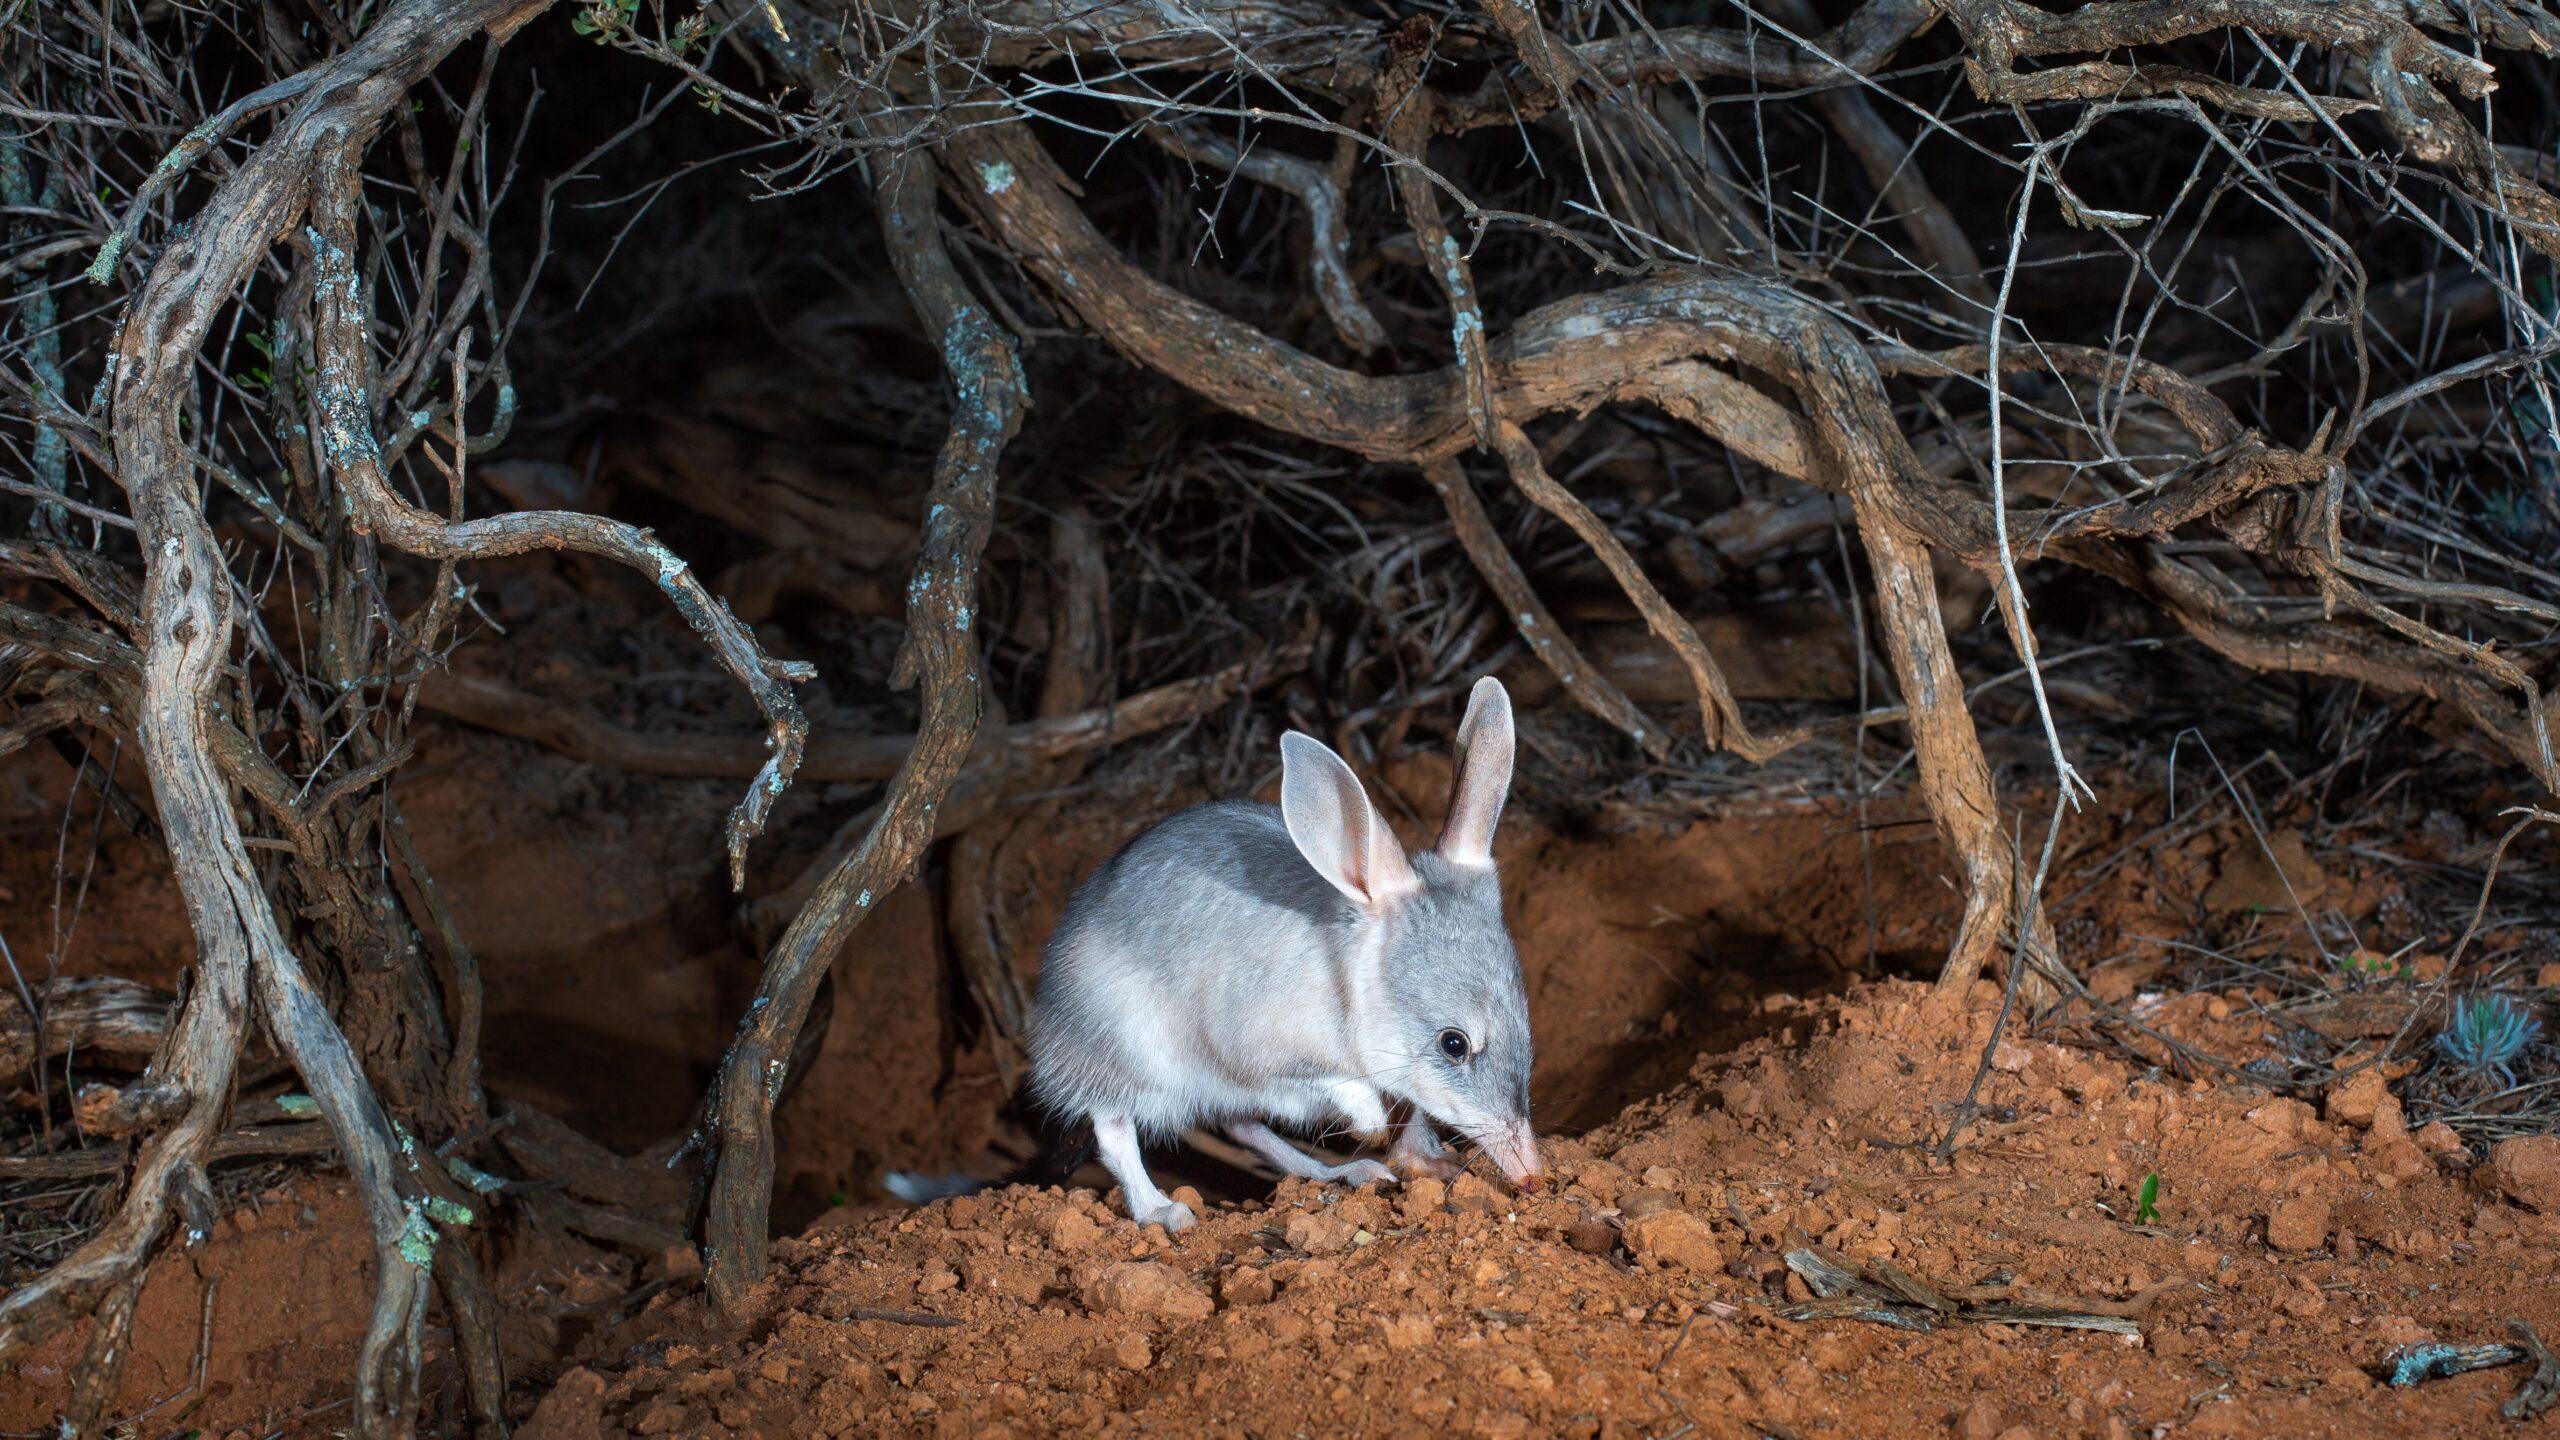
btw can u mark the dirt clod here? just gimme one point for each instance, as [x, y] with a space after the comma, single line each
[1071, 1231]
[1591, 1233]
[1675, 1238]
[1147, 1287]
[1247, 1286]
[2526, 1169]
[574, 1410]
[2250, 880]
[1319, 1232]
[1406, 1331]
[2299, 1225]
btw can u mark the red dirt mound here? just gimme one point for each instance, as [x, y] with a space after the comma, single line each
[1643, 1294]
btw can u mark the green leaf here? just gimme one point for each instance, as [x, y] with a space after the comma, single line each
[582, 24]
[2146, 1208]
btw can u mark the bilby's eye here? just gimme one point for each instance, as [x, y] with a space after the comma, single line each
[1453, 1043]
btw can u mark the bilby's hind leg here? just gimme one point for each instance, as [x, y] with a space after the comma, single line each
[1290, 1160]
[1118, 1140]
[1417, 1150]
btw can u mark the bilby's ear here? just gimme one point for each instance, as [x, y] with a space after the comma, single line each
[1335, 827]
[1483, 776]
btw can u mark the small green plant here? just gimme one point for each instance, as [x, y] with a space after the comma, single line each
[2364, 965]
[2146, 1202]
[2486, 1035]
[602, 18]
[257, 377]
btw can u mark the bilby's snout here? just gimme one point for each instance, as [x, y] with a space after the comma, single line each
[1514, 1149]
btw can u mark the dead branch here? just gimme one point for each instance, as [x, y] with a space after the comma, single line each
[940, 654]
[90, 1016]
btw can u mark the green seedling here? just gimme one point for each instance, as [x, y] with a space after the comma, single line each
[2146, 1204]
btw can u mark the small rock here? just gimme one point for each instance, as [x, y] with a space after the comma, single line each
[2250, 881]
[1591, 1234]
[1675, 1237]
[2387, 1123]
[1147, 1287]
[679, 1262]
[574, 1410]
[1071, 1231]
[2390, 1330]
[1470, 1192]
[2282, 1118]
[1422, 1195]
[1407, 1331]
[2395, 1156]
[1132, 1352]
[1247, 1285]
[1319, 1232]
[2437, 1138]
[1981, 1420]
[2299, 1225]
[1634, 1205]
[2526, 1169]
[2353, 1100]
[2009, 1058]
[2347, 1380]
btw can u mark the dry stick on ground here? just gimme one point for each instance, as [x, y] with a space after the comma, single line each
[188, 622]
[941, 655]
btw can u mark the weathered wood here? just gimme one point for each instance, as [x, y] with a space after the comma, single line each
[94, 1017]
[940, 655]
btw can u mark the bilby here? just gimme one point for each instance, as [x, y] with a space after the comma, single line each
[1243, 964]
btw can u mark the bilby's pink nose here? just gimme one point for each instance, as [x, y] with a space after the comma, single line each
[1515, 1149]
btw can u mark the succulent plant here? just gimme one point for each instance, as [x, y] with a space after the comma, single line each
[2487, 1034]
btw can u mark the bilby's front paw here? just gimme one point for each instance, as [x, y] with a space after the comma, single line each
[1363, 1172]
[1414, 1164]
[1173, 1215]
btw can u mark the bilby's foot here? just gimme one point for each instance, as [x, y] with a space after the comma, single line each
[1173, 1215]
[1414, 1165]
[1360, 1172]
[1418, 1152]
[1288, 1159]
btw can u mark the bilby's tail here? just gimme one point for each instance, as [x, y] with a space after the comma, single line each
[1061, 1151]
[918, 1189]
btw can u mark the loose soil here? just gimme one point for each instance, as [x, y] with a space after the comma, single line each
[1732, 1064]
